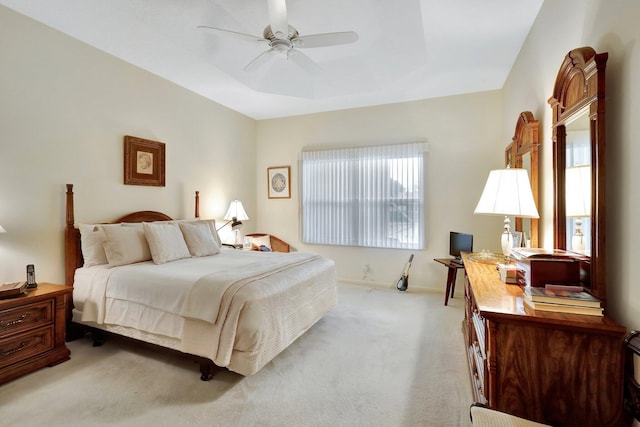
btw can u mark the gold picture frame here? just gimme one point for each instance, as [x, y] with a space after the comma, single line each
[279, 182]
[144, 162]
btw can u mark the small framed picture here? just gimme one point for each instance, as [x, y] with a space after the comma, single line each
[279, 182]
[144, 162]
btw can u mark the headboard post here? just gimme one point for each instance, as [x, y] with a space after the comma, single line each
[73, 256]
[70, 213]
[197, 204]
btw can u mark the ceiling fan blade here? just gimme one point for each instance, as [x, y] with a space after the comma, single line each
[328, 39]
[303, 61]
[278, 18]
[259, 60]
[234, 34]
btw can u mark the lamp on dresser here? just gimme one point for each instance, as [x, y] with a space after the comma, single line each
[507, 192]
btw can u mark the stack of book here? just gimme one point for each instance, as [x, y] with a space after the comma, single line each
[507, 273]
[10, 290]
[562, 299]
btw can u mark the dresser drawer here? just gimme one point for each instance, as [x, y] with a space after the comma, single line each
[22, 346]
[18, 319]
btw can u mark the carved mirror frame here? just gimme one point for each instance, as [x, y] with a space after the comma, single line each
[580, 89]
[525, 142]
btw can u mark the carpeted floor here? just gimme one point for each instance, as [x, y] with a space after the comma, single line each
[380, 358]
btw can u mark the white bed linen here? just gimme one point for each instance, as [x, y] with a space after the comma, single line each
[261, 319]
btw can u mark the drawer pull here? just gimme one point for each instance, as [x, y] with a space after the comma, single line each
[17, 321]
[22, 346]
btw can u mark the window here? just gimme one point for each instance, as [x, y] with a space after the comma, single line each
[368, 196]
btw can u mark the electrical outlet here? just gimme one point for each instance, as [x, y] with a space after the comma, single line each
[365, 270]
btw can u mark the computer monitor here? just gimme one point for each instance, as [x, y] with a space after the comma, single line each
[460, 242]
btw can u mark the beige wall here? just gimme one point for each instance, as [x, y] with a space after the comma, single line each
[607, 26]
[463, 133]
[64, 109]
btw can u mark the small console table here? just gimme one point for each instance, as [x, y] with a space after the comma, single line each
[452, 273]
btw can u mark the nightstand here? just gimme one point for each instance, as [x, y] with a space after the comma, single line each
[32, 330]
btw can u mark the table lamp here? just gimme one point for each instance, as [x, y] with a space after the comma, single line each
[507, 192]
[235, 215]
[578, 200]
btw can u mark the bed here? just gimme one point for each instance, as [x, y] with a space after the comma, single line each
[227, 308]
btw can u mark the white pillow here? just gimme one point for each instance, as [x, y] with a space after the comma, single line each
[125, 245]
[261, 241]
[165, 242]
[199, 239]
[91, 239]
[212, 227]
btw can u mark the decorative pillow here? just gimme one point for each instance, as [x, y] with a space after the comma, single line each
[165, 242]
[91, 239]
[259, 242]
[199, 239]
[212, 226]
[125, 245]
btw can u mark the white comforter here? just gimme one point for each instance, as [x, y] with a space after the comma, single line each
[235, 298]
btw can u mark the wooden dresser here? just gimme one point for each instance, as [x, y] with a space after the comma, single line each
[32, 330]
[555, 368]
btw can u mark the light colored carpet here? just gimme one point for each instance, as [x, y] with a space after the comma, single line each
[380, 358]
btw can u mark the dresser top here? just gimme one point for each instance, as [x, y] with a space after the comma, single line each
[495, 299]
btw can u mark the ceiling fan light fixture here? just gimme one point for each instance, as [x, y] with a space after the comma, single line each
[281, 46]
[283, 39]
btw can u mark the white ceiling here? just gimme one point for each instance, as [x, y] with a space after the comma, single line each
[407, 49]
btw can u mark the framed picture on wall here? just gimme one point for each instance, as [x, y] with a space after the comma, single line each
[144, 162]
[279, 182]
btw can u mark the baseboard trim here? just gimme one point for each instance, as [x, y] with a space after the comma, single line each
[387, 286]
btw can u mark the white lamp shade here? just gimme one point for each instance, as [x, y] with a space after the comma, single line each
[578, 191]
[508, 192]
[236, 210]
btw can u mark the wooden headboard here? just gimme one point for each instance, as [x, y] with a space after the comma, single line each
[72, 249]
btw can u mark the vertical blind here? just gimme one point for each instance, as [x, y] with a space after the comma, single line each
[366, 196]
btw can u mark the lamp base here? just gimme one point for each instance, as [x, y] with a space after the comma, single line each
[506, 239]
[577, 240]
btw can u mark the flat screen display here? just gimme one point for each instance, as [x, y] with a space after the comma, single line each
[460, 242]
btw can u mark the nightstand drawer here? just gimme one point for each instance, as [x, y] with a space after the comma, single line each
[25, 317]
[22, 346]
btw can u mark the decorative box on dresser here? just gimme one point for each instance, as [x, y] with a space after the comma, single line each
[554, 368]
[32, 330]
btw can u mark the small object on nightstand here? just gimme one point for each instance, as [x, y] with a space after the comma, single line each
[31, 277]
[10, 290]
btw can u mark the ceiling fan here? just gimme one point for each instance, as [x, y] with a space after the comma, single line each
[284, 40]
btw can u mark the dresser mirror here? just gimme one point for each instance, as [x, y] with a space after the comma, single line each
[523, 153]
[578, 105]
